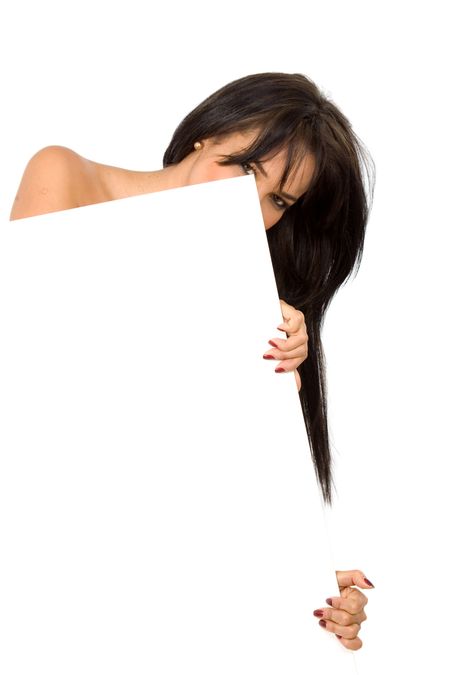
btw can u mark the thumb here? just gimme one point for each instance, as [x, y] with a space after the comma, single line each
[353, 578]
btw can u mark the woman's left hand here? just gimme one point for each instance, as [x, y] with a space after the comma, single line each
[293, 351]
[346, 614]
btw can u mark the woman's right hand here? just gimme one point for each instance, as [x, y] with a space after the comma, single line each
[293, 351]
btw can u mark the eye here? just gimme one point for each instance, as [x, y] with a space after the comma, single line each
[248, 168]
[279, 204]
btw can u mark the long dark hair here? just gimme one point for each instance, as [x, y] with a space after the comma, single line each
[319, 240]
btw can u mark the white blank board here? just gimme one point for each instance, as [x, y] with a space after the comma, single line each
[159, 511]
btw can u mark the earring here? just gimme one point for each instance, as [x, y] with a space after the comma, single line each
[198, 145]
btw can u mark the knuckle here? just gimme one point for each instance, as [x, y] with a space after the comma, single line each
[354, 630]
[348, 632]
[345, 619]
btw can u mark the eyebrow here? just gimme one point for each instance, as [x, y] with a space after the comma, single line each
[264, 173]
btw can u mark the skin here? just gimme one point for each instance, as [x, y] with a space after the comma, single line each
[57, 178]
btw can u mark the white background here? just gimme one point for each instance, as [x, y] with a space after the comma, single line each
[112, 82]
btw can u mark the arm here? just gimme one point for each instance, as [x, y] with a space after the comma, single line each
[49, 183]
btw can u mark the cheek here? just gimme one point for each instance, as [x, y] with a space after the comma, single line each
[270, 219]
[217, 172]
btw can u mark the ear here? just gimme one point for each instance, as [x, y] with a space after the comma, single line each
[203, 144]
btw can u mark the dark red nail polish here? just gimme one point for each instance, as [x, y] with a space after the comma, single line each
[318, 612]
[369, 582]
[339, 637]
[269, 356]
[274, 344]
[280, 370]
[322, 623]
[329, 601]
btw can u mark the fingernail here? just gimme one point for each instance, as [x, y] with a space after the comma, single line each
[274, 344]
[318, 612]
[329, 601]
[268, 356]
[322, 623]
[339, 637]
[369, 582]
[280, 370]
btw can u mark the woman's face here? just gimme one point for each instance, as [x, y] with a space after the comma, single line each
[203, 165]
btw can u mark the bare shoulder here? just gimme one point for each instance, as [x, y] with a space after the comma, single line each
[55, 178]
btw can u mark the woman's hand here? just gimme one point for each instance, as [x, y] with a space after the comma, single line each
[346, 614]
[293, 351]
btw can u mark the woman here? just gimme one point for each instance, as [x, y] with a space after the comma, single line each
[310, 171]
